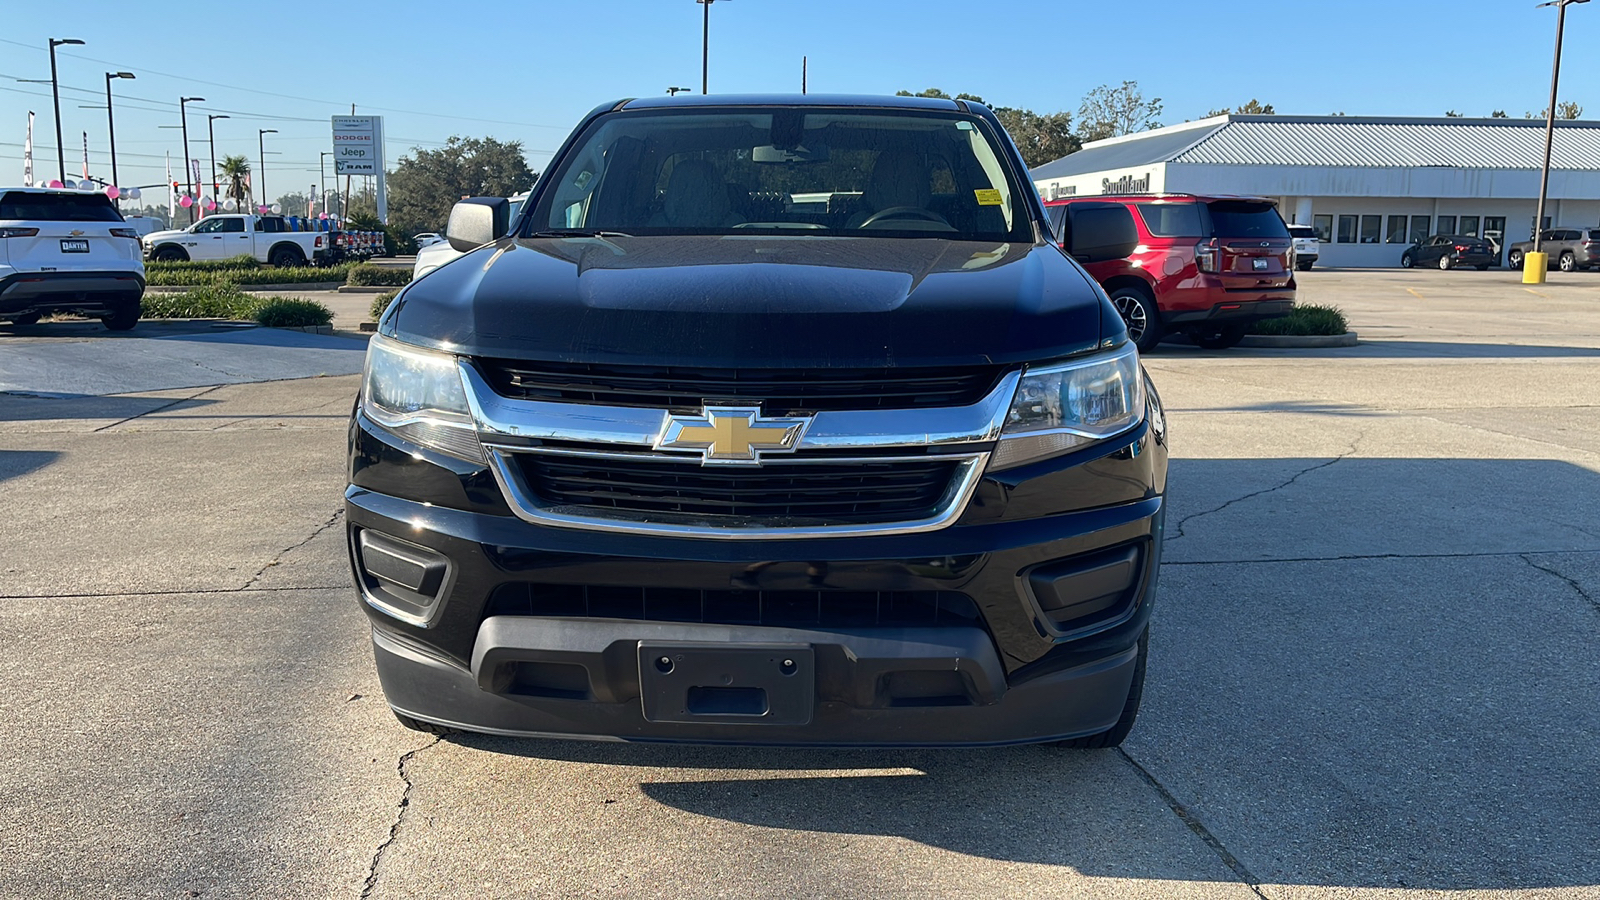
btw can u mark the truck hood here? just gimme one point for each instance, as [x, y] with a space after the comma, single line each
[766, 302]
[156, 236]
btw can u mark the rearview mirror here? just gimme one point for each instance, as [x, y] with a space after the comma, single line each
[476, 221]
[1099, 231]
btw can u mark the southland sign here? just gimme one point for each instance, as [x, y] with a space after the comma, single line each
[1127, 184]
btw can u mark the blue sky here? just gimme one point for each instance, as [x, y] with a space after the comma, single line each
[527, 70]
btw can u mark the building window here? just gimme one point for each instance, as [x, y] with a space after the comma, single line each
[1469, 226]
[1447, 224]
[1347, 229]
[1494, 228]
[1324, 228]
[1421, 227]
[1397, 229]
[1370, 229]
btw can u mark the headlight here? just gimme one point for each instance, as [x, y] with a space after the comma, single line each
[1062, 408]
[418, 395]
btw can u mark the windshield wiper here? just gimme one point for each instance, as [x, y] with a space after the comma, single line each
[578, 232]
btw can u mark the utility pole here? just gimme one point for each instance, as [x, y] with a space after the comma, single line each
[705, 46]
[211, 135]
[183, 113]
[55, 94]
[1536, 264]
[111, 129]
[802, 74]
[261, 150]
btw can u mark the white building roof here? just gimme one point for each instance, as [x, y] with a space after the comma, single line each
[1343, 141]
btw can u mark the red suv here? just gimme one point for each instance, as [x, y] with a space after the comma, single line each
[1205, 266]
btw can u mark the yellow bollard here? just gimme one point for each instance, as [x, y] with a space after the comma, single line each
[1534, 267]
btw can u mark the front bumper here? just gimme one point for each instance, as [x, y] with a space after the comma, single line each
[1042, 647]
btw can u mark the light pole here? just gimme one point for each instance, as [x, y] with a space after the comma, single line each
[211, 136]
[1537, 263]
[261, 150]
[705, 45]
[111, 128]
[188, 172]
[55, 95]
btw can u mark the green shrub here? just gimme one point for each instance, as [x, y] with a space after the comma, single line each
[194, 274]
[1309, 319]
[290, 312]
[211, 301]
[232, 263]
[369, 274]
[381, 303]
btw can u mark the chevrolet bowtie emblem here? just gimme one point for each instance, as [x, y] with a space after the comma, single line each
[731, 435]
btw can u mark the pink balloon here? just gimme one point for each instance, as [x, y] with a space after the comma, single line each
[54, 183]
[186, 201]
[112, 191]
[210, 204]
[322, 215]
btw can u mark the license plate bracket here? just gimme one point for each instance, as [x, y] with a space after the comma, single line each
[727, 684]
[74, 245]
[1260, 264]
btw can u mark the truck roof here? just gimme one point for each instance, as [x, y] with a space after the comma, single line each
[861, 100]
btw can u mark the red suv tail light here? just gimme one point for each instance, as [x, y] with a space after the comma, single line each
[1205, 255]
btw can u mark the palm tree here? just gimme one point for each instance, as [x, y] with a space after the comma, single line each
[236, 174]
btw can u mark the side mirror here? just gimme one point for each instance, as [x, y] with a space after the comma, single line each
[476, 221]
[1099, 231]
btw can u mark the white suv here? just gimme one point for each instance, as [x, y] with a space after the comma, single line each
[67, 251]
[1305, 246]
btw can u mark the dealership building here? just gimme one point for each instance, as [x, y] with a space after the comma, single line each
[1370, 186]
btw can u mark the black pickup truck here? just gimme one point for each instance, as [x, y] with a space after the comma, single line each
[767, 420]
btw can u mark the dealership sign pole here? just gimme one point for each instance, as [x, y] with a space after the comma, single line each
[358, 150]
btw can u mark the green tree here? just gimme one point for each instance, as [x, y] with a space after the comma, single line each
[1566, 109]
[236, 178]
[1452, 114]
[1253, 108]
[1499, 114]
[426, 183]
[294, 203]
[1109, 112]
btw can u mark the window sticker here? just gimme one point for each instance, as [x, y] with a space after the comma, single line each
[988, 197]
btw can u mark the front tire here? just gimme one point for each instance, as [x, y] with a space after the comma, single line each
[169, 253]
[1139, 314]
[124, 318]
[1116, 734]
[1407, 261]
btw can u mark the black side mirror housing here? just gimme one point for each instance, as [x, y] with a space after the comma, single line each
[1095, 232]
[476, 221]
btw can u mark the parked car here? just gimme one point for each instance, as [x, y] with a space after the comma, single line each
[1306, 246]
[1571, 249]
[426, 239]
[67, 251]
[1206, 266]
[666, 458]
[437, 254]
[270, 239]
[1447, 251]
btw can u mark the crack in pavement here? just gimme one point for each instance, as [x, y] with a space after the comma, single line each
[399, 818]
[337, 515]
[1571, 582]
[158, 409]
[1195, 825]
[1182, 523]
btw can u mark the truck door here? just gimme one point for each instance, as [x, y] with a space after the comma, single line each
[207, 240]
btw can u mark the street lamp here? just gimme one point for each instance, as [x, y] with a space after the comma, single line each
[55, 95]
[188, 173]
[705, 45]
[1537, 263]
[111, 128]
[261, 150]
[211, 135]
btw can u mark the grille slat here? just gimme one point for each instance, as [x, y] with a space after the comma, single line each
[844, 492]
[776, 391]
[824, 608]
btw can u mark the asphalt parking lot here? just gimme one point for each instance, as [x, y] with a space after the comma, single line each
[1375, 669]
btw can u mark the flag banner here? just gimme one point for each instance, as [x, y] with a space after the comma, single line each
[27, 154]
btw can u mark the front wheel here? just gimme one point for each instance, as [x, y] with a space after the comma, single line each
[1515, 259]
[169, 253]
[1407, 261]
[1116, 734]
[1445, 263]
[124, 318]
[1221, 338]
[1140, 315]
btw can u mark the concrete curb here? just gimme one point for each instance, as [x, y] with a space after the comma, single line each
[368, 288]
[247, 288]
[308, 329]
[1282, 341]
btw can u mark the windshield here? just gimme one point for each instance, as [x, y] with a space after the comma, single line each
[814, 171]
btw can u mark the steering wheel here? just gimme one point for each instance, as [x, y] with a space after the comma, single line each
[901, 212]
